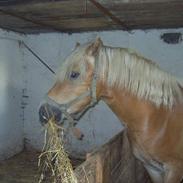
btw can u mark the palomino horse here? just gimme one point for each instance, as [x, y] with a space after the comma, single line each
[148, 100]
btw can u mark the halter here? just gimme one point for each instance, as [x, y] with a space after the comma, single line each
[91, 92]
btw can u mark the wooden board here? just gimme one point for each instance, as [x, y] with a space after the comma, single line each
[37, 16]
[112, 163]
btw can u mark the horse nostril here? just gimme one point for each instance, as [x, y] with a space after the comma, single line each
[47, 112]
[43, 115]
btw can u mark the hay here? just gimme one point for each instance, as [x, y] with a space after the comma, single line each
[54, 158]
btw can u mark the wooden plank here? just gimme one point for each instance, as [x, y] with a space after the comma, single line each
[145, 7]
[136, 1]
[108, 13]
[63, 9]
[36, 12]
[31, 2]
[47, 15]
[112, 163]
[30, 20]
[86, 172]
[81, 23]
[100, 175]
[60, 7]
[9, 3]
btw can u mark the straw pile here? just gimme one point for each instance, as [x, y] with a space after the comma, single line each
[54, 158]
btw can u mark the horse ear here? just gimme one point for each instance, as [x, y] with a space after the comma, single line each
[77, 45]
[94, 47]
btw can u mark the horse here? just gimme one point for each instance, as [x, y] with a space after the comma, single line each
[146, 99]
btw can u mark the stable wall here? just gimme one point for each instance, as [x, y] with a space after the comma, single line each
[11, 90]
[99, 124]
[24, 82]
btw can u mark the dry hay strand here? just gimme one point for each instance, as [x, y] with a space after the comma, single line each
[54, 158]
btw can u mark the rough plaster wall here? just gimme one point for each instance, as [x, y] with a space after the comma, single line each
[99, 124]
[11, 85]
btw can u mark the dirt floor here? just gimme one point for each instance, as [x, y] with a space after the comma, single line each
[23, 168]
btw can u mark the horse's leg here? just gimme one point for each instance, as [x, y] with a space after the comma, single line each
[155, 175]
[173, 175]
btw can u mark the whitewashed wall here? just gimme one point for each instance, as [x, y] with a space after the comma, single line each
[24, 82]
[99, 124]
[11, 88]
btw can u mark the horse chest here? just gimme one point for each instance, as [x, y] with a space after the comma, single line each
[146, 159]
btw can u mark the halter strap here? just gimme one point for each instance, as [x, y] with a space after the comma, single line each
[94, 85]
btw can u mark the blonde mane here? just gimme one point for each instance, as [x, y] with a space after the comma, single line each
[143, 78]
[124, 68]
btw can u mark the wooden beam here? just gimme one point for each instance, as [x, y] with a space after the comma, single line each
[38, 16]
[32, 21]
[23, 2]
[110, 15]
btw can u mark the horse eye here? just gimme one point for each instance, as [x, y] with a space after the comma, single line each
[74, 75]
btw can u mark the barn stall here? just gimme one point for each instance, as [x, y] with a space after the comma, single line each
[36, 36]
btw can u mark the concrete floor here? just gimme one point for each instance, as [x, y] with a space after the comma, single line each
[23, 168]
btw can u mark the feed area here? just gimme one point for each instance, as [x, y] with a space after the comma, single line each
[113, 162]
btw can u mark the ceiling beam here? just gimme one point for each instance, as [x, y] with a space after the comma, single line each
[109, 14]
[23, 2]
[69, 16]
[38, 23]
[14, 2]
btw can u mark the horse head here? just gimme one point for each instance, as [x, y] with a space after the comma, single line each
[76, 86]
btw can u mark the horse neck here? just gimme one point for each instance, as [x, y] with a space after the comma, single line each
[132, 111]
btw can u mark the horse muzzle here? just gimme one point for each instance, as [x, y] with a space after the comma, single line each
[47, 112]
